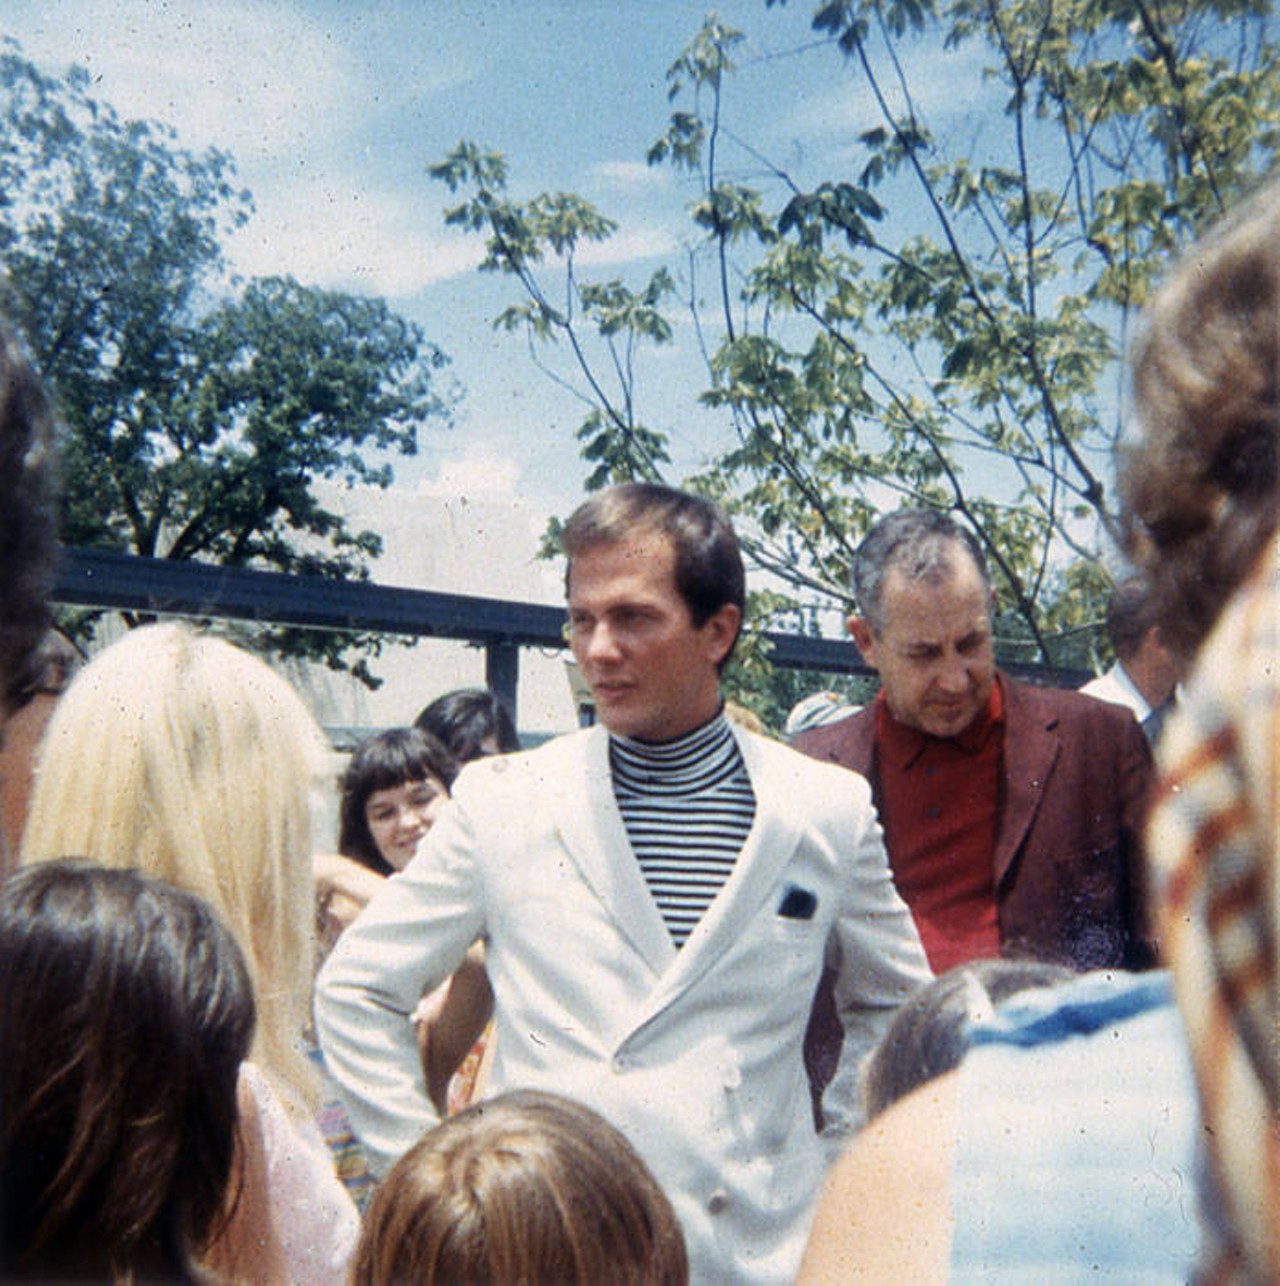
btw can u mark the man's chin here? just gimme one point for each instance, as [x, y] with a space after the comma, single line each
[618, 724]
[612, 713]
[947, 725]
[615, 707]
[624, 721]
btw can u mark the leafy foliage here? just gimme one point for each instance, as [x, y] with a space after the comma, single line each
[200, 411]
[519, 240]
[946, 325]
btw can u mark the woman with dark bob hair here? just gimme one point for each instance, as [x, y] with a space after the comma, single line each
[126, 1012]
[392, 789]
[528, 1187]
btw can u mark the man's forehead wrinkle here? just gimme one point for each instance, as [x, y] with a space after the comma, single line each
[920, 643]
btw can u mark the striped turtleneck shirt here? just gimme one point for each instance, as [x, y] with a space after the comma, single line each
[687, 805]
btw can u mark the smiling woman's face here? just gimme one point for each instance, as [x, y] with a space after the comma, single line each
[399, 816]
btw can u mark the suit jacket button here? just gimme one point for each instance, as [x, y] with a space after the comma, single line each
[718, 1203]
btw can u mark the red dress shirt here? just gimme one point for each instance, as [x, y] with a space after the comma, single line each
[939, 798]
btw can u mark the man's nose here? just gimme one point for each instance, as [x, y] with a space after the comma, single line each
[603, 643]
[953, 674]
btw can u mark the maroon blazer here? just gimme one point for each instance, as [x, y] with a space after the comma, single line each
[1067, 862]
[1068, 868]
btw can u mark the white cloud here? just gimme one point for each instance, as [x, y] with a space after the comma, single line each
[343, 236]
[628, 245]
[216, 74]
[264, 79]
[203, 68]
[632, 174]
[943, 84]
[477, 472]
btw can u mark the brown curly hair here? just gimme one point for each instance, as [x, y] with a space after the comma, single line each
[1199, 487]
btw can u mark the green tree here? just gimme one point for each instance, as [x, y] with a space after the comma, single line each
[200, 410]
[520, 238]
[945, 325]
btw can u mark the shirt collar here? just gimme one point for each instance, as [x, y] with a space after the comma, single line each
[714, 733]
[901, 745]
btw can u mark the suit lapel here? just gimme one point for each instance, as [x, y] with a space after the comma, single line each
[1031, 750]
[595, 838]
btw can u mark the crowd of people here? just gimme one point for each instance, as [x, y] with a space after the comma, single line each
[969, 983]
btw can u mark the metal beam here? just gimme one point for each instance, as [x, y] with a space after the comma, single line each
[102, 578]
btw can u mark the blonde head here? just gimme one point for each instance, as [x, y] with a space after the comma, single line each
[184, 757]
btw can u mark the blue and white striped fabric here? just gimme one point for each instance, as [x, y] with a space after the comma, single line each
[1076, 1139]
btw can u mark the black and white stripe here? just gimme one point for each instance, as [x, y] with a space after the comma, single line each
[687, 806]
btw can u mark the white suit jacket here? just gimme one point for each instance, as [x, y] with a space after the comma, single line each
[695, 1054]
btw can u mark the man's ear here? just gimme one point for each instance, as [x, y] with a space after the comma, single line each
[863, 636]
[721, 630]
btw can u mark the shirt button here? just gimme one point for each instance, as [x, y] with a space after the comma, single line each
[619, 1064]
[718, 1203]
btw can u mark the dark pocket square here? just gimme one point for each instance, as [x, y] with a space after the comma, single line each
[797, 903]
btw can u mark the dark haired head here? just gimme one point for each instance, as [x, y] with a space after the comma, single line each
[46, 670]
[1131, 612]
[384, 761]
[28, 517]
[125, 1013]
[929, 1034]
[920, 544]
[708, 561]
[469, 723]
[525, 1187]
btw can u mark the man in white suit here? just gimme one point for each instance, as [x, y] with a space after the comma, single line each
[657, 898]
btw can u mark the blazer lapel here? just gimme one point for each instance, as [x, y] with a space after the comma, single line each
[1031, 749]
[591, 827]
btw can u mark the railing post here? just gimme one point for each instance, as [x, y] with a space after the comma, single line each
[502, 673]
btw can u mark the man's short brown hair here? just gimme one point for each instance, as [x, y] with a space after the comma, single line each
[709, 572]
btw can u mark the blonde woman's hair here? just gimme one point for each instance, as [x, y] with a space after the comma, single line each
[184, 757]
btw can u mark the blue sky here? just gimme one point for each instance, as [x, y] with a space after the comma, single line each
[334, 110]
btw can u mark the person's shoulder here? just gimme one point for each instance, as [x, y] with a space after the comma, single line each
[885, 1211]
[558, 753]
[1104, 686]
[1069, 706]
[817, 781]
[780, 753]
[844, 742]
